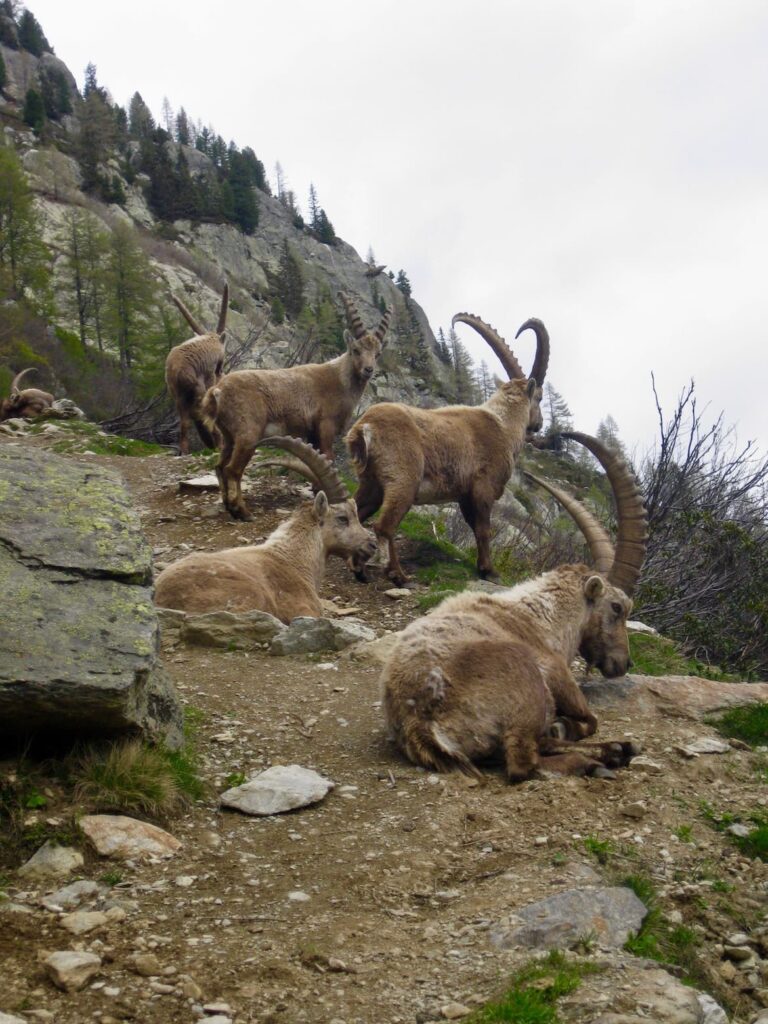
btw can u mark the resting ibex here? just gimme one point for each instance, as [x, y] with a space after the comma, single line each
[193, 367]
[314, 402]
[281, 576]
[405, 456]
[26, 404]
[487, 675]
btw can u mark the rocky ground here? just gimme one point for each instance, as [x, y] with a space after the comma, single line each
[390, 900]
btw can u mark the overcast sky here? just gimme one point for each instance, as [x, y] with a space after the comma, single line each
[602, 165]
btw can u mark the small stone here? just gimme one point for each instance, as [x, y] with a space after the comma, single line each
[184, 881]
[218, 1018]
[8, 1018]
[541, 841]
[297, 896]
[70, 896]
[645, 765]
[276, 790]
[217, 1008]
[704, 745]
[738, 939]
[161, 987]
[737, 829]
[115, 835]
[111, 990]
[147, 965]
[80, 922]
[51, 859]
[634, 809]
[397, 593]
[452, 1011]
[191, 990]
[738, 954]
[72, 971]
[115, 914]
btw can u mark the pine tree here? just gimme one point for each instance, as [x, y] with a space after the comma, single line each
[280, 182]
[324, 231]
[168, 116]
[140, 121]
[54, 90]
[403, 283]
[290, 282]
[9, 33]
[314, 208]
[84, 246]
[182, 128]
[555, 408]
[484, 381]
[3, 73]
[31, 35]
[34, 110]
[463, 376]
[24, 258]
[608, 433]
[130, 294]
[96, 138]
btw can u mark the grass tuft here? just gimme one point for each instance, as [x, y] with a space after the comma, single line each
[657, 656]
[749, 723]
[601, 849]
[660, 940]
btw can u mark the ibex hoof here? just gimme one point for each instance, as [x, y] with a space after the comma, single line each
[601, 772]
[558, 730]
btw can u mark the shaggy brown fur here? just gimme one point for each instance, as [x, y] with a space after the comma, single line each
[193, 367]
[314, 402]
[405, 456]
[281, 576]
[26, 404]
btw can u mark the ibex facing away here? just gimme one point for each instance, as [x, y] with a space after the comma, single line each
[406, 456]
[26, 404]
[314, 402]
[193, 367]
[487, 675]
[281, 576]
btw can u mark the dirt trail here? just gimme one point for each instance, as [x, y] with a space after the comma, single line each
[402, 873]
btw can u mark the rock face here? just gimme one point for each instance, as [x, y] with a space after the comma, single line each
[115, 835]
[80, 652]
[278, 789]
[682, 696]
[559, 922]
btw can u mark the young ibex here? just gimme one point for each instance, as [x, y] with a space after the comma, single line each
[314, 402]
[406, 456]
[281, 576]
[26, 404]
[487, 675]
[193, 367]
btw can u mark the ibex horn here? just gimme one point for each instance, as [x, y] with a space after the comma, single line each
[188, 316]
[17, 379]
[223, 313]
[381, 330]
[295, 465]
[353, 317]
[600, 544]
[325, 472]
[541, 361]
[500, 348]
[632, 534]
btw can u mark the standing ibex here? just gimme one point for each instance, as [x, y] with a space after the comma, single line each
[26, 404]
[406, 456]
[193, 367]
[281, 576]
[487, 675]
[314, 402]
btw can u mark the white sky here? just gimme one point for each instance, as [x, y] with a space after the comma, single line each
[602, 165]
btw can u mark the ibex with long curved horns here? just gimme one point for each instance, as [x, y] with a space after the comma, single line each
[406, 456]
[27, 403]
[487, 675]
[193, 367]
[314, 402]
[282, 576]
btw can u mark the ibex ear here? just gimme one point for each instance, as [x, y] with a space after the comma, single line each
[594, 588]
[321, 506]
[532, 385]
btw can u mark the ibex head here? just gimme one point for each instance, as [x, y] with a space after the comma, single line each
[364, 347]
[507, 358]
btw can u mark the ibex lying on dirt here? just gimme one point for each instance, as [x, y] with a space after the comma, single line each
[193, 367]
[487, 675]
[26, 404]
[314, 402]
[406, 456]
[281, 576]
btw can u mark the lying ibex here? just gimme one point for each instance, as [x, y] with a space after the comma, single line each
[406, 456]
[281, 576]
[314, 402]
[487, 675]
[26, 404]
[193, 367]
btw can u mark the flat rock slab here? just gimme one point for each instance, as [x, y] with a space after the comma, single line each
[608, 914]
[677, 696]
[80, 922]
[208, 482]
[80, 652]
[71, 895]
[72, 971]
[307, 635]
[123, 838]
[52, 861]
[230, 630]
[277, 790]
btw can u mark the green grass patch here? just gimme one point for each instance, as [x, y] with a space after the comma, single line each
[755, 843]
[77, 435]
[659, 939]
[657, 656]
[601, 849]
[749, 723]
[533, 992]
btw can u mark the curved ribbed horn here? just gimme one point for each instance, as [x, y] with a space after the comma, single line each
[223, 313]
[632, 535]
[381, 330]
[353, 317]
[600, 545]
[295, 465]
[326, 473]
[500, 348]
[17, 379]
[541, 360]
[188, 316]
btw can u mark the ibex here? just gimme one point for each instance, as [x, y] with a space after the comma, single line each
[281, 576]
[314, 402]
[487, 675]
[193, 367]
[406, 456]
[26, 404]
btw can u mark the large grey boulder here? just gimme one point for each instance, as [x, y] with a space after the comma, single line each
[79, 640]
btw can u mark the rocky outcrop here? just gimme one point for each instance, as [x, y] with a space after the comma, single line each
[79, 634]
[676, 696]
